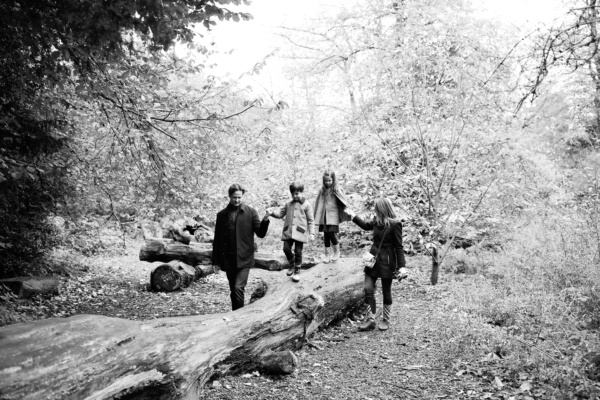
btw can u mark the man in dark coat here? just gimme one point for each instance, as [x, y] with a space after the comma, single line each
[233, 245]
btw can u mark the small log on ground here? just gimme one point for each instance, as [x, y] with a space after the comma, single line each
[176, 275]
[279, 362]
[96, 357]
[172, 276]
[25, 287]
[166, 250]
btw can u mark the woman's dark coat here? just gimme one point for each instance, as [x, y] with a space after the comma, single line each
[391, 255]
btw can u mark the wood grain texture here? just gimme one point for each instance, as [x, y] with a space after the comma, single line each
[97, 357]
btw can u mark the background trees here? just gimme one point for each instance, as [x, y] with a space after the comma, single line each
[410, 92]
[567, 51]
[82, 94]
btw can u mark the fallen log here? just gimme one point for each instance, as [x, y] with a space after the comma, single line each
[166, 250]
[176, 275]
[96, 357]
[172, 276]
[29, 286]
[279, 362]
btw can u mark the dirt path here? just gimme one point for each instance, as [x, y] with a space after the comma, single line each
[409, 361]
[413, 360]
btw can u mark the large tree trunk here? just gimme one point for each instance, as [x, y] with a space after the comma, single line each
[29, 286]
[96, 357]
[166, 250]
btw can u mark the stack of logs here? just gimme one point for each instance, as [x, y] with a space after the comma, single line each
[185, 263]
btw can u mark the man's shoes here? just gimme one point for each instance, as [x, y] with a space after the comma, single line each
[291, 269]
[296, 276]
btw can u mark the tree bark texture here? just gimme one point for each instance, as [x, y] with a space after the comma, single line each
[95, 357]
[173, 276]
[166, 250]
[435, 266]
[25, 287]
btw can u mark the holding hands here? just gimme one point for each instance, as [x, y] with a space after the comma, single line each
[351, 213]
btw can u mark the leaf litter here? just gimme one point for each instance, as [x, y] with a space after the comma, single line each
[339, 363]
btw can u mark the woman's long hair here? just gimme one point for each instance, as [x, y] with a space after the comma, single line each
[330, 174]
[384, 212]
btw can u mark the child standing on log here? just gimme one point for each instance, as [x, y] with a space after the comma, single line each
[330, 212]
[298, 228]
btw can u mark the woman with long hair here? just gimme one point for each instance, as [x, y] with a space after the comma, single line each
[389, 264]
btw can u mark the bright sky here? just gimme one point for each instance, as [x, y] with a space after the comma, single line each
[252, 41]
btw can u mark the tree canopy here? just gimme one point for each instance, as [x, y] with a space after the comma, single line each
[64, 62]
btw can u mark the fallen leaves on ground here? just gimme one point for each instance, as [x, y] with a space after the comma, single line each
[410, 361]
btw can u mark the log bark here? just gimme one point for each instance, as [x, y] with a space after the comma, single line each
[166, 250]
[279, 362]
[25, 287]
[96, 357]
[172, 276]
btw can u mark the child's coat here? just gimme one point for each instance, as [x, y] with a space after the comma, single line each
[339, 215]
[299, 221]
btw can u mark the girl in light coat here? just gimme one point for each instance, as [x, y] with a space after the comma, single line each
[330, 212]
[298, 228]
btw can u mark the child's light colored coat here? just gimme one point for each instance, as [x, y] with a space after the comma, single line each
[299, 221]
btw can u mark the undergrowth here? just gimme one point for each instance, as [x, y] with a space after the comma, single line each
[534, 306]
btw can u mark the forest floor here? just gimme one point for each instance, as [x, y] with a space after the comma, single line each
[413, 360]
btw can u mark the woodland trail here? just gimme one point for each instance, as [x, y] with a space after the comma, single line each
[410, 361]
[422, 356]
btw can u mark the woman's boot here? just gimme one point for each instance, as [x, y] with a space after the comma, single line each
[291, 268]
[369, 321]
[384, 325]
[336, 252]
[325, 258]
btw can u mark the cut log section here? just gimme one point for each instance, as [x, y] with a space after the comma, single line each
[25, 287]
[166, 250]
[176, 275]
[279, 362]
[172, 276]
[96, 357]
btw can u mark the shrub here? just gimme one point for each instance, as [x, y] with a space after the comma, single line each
[26, 234]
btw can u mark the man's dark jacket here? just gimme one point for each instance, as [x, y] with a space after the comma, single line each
[246, 226]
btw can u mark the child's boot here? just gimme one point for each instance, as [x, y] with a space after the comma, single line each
[296, 276]
[384, 325]
[336, 252]
[291, 268]
[325, 257]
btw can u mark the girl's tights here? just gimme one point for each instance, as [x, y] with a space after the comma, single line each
[330, 238]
